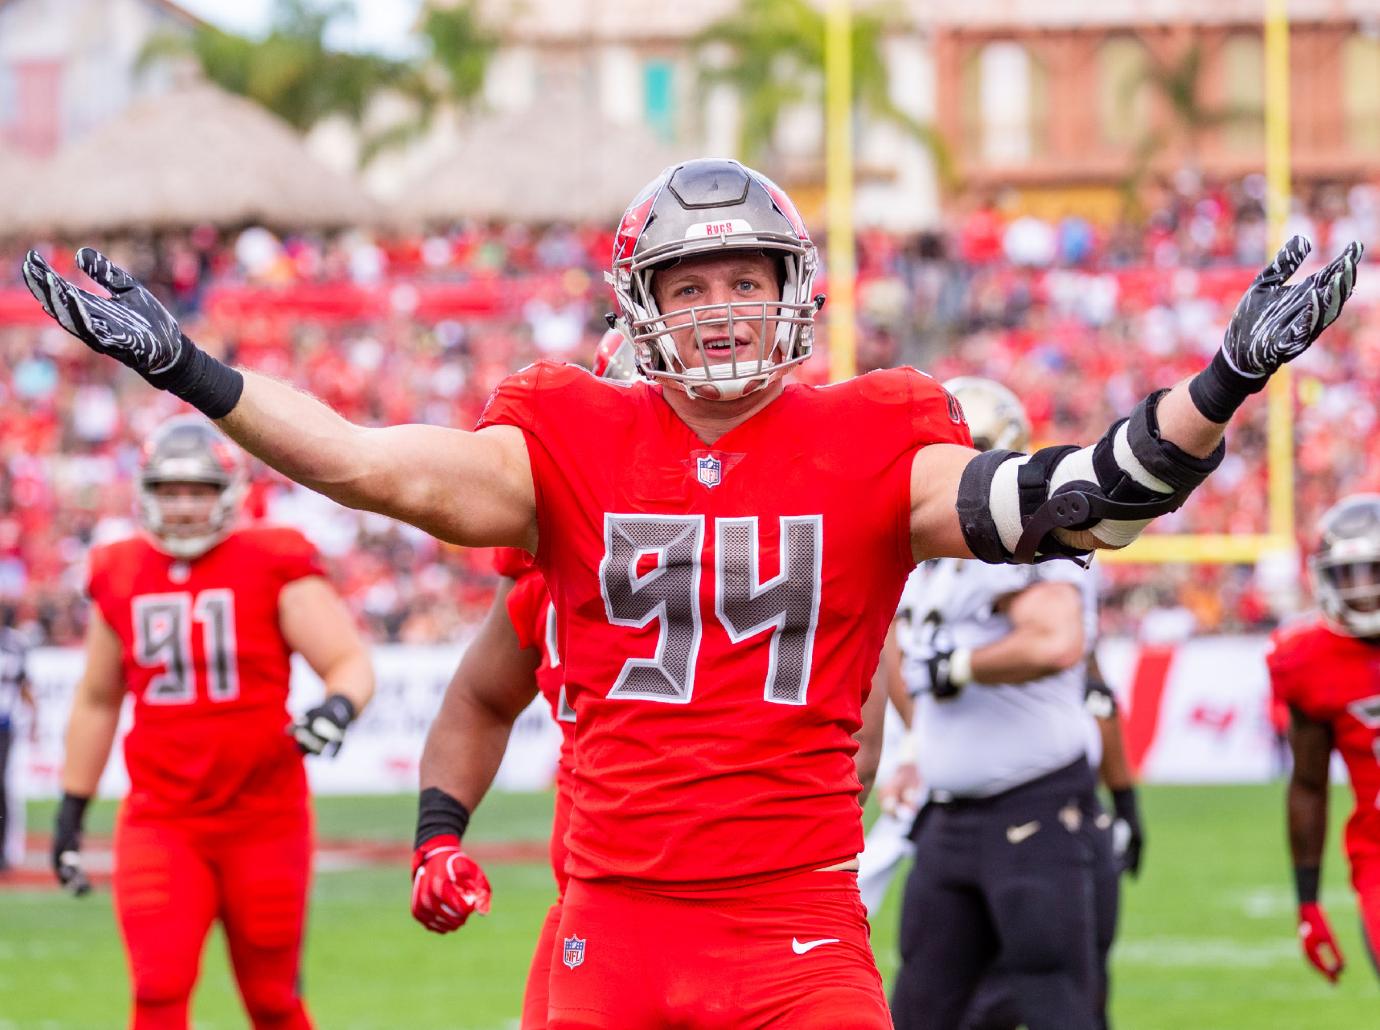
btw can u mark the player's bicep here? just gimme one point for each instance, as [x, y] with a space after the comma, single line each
[496, 673]
[473, 489]
[1311, 744]
[935, 473]
[1052, 611]
[316, 624]
[101, 684]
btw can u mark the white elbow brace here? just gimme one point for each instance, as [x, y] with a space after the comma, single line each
[1011, 504]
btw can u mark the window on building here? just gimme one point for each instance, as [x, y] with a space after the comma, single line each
[659, 98]
[1003, 104]
[1123, 92]
[1361, 91]
[1243, 76]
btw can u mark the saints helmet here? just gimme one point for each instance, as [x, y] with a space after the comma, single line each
[614, 357]
[713, 206]
[995, 415]
[188, 449]
[1345, 568]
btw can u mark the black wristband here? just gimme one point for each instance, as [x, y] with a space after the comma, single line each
[1124, 804]
[1218, 390]
[438, 813]
[1306, 879]
[71, 814]
[210, 386]
[339, 709]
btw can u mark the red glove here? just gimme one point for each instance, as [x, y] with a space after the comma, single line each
[447, 885]
[1319, 946]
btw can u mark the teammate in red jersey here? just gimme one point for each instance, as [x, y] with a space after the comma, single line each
[1327, 670]
[197, 621]
[725, 552]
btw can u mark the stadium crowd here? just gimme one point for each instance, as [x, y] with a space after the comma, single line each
[1075, 318]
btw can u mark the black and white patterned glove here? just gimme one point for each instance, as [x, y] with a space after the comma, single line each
[321, 730]
[131, 325]
[1273, 324]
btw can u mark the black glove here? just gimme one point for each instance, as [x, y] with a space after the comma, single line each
[67, 845]
[132, 327]
[1128, 838]
[1272, 325]
[937, 672]
[320, 730]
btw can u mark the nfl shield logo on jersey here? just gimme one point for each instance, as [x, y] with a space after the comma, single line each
[573, 954]
[709, 470]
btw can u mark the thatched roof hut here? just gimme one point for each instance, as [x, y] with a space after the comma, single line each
[556, 163]
[196, 155]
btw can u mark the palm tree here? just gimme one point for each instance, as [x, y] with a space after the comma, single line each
[775, 59]
[294, 73]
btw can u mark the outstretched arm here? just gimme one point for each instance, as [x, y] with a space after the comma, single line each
[465, 488]
[1001, 506]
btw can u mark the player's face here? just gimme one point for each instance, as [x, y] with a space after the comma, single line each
[1359, 583]
[186, 509]
[693, 296]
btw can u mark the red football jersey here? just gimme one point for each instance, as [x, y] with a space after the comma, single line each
[721, 610]
[1335, 679]
[207, 665]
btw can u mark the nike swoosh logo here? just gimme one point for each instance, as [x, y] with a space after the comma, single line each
[1016, 834]
[801, 947]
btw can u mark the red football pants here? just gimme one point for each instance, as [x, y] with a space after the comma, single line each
[1365, 880]
[536, 997]
[789, 953]
[174, 877]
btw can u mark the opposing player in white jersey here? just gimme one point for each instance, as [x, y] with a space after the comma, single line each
[1005, 845]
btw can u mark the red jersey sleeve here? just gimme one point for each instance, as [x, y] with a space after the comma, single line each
[98, 586]
[512, 562]
[294, 556]
[1287, 663]
[513, 402]
[525, 602]
[936, 414]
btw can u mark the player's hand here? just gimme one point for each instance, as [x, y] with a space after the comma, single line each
[67, 864]
[320, 730]
[130, 325]
[1275, 323]
[447, 885]
[901, 792]
[1128, 836]
[937, 672]
[1319, 945]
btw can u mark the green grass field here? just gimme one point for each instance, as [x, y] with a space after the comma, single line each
[1207, 937]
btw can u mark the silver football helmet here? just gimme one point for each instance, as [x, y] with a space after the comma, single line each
[188, 449]
[1346, 566]
[706, 206]
[995, 415]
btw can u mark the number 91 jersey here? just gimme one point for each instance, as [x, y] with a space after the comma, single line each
[204, 658]
[720, 611]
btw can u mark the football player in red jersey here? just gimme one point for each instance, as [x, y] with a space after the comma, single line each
[1326, 668]
[725, 552]
[197, 621]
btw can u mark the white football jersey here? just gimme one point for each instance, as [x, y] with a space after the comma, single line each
[990, 737]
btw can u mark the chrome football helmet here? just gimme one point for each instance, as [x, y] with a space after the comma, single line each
[188, 449]
[1346, 566]
[994, 414]
[614, 357]
[712, 206]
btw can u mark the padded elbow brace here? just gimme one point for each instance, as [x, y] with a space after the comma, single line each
[1011, 504]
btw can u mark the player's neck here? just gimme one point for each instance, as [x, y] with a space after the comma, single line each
[710, 420]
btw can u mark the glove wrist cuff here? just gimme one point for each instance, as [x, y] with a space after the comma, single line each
[210, 386]
[1306, 880]
[1124, 803]
[1218, 390]
[439, 814]
[340, 710]
[71, 813]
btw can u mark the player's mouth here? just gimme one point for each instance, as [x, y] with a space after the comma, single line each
[727, 348]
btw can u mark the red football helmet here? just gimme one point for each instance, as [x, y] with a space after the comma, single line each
[1346, 566]
[614, 357]
[188, 449]
[714, 205]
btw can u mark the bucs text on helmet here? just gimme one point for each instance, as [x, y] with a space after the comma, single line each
[184, 450]
[994, 414]
[714, 206]
[1346, 566]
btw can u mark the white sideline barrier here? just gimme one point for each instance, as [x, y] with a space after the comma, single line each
[1211, 723]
